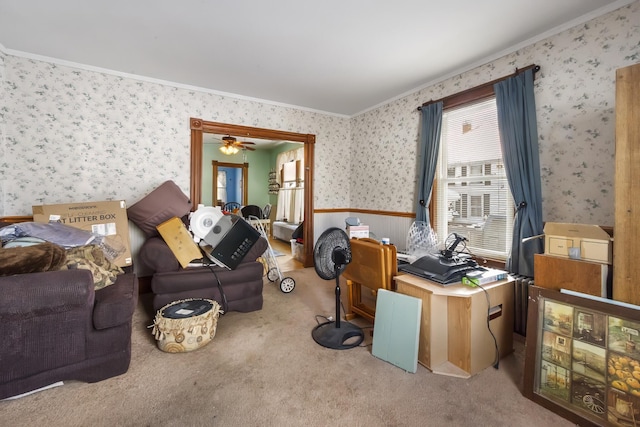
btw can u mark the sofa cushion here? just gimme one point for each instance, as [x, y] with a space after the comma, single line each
[161, 204]
[31, 259]
[157, 257]
[242, 287]
[202, 277]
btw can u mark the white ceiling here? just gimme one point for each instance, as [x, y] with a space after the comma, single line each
[336, 56]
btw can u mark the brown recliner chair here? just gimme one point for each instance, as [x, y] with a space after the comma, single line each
[56, 327]
[242, 287]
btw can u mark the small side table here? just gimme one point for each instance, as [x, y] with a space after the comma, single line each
[454, 338]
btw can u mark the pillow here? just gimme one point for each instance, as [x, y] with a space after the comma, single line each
[92, 258]
[161, 204]
[31, 259]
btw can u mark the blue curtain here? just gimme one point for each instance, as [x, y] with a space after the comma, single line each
[519, 140]
[431, 126]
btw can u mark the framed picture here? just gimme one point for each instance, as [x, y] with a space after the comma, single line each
[582, 357]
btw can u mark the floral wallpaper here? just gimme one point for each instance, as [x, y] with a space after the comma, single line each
[575, 102]
[69, 134]
[3, 108]
[76, 135]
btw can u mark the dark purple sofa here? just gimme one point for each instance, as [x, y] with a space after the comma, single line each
[170, 282]
[56, 327]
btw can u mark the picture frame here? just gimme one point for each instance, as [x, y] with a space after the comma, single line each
[582, 357]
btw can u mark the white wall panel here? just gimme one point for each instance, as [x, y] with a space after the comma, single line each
[395, 228]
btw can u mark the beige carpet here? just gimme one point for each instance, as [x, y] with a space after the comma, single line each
[264, 369]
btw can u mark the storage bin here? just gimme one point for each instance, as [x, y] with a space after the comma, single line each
[297, 250]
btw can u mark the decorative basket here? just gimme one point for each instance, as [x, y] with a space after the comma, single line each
[186, 325]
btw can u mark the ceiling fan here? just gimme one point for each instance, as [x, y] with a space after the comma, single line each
[230, 145]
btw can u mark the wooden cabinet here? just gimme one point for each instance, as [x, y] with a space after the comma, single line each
[552, 272]
[454, 337]
[626, 247]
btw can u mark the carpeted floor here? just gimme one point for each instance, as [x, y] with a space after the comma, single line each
[264, 369]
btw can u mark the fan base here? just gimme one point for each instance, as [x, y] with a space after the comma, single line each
[346, 336]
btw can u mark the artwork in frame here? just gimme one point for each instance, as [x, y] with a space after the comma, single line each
[582, 357]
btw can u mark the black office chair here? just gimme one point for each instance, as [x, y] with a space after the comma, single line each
[251, 210]
[231, 206]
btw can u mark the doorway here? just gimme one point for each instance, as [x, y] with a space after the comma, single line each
[199, 126]
[230, 183]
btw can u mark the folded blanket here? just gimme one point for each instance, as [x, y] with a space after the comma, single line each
[92, 258]
[31, 259]
[54, 232]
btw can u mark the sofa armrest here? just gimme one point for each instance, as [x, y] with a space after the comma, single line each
[115, 304]
[256, 250]
[26, 296]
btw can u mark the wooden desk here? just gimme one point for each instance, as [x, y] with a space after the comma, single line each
[454, 338]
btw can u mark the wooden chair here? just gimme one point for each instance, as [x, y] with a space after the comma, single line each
[231, 207]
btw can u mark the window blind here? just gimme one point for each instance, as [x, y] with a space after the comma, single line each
[472, 196]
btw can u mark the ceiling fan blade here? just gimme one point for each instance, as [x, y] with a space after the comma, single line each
[247, 142]
[248, 148]
[229, 139]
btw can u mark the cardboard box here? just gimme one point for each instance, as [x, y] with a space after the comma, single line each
[359, 231]
[179, 240]
[475, 278]
[108, 219]
[579, 241]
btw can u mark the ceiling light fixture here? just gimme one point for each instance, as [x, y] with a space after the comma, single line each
[228, 149]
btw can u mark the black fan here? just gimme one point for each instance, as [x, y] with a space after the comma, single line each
[331, 255]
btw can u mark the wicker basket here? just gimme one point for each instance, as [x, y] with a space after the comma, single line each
[186, 325]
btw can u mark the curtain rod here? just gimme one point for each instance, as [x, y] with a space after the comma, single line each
[486, 88]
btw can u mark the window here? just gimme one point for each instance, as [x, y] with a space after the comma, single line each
[471, 193]
[222, 187]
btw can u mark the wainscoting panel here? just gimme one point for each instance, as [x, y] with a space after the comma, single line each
[322, 221]
[393, 227]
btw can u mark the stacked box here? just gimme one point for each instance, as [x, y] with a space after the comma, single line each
[108, 219]
[358, 231]
[579, 241]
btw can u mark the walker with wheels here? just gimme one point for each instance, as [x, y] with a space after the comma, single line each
[287, 284]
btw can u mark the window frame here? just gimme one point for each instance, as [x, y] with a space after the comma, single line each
[461, 100]
[469, 96]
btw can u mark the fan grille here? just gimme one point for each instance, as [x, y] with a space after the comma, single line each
[323, 260]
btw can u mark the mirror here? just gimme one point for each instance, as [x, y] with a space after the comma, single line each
[231, 183]
[199, 127]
